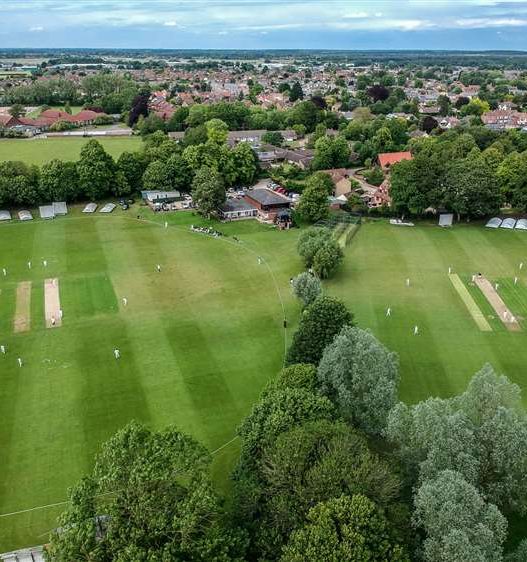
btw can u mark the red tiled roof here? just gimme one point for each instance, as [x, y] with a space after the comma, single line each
[390, 158]
[8, 121]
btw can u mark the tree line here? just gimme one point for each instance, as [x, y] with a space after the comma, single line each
[471, 171]
[162, 164]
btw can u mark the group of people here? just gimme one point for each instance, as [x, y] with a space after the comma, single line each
[206, 230]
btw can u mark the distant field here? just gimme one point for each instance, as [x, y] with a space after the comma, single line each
[40, 151]
[74, 110]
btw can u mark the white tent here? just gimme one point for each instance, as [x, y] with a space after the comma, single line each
[108, 208]
[5, 216]
[446, 219]
[521, 224]
[508, 223]
[493, 223]
[46, 212]
[90, 208]
[25, 215]
[60, 208]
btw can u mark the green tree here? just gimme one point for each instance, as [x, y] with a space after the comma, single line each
[331, 153]
[150, 124]
[319, 325]
[17, 110]
[300, 375]
[307, 288]
[217, 131]
[345, 529]
[296, 93]
[157, 176]
[178, 120]
[314, 205]
[481, 433]
[471, 187]
[475, 107]
[59, 181]
[159, 504]
[327, 259]
[360, 376]
[310, 241]
[273, 137]
[96, 170]
[208, 190]
[132, 165]
[278, 411]
[246, 163]
[512, 179]
[460, 525]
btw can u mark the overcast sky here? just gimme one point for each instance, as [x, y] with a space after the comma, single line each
[252, 24]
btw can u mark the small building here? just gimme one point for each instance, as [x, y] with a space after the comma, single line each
[156, 199]
[268, 202]
[237, 209]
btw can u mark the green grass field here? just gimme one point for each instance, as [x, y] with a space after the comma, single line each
[198, 341]
[450, 347]
[40, 151]
[201, 338]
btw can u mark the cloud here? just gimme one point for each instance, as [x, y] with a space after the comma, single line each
[355, 15]
[36, 28]
[170, 23]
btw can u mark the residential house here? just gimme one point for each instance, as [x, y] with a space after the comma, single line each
[341, 179]
[388, 159]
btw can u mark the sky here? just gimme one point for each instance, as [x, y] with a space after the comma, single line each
[265, 24]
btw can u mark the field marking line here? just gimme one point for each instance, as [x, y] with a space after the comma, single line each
[22, 319]
[497, 303]
[66, 502]
[470, 303]
[52, 303]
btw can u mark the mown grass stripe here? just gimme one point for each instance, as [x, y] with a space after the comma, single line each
[471, 305]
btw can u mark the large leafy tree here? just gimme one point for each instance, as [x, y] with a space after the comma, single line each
[279, 410]
[96, 170]
[306, 287]
[512, 178]
[319, 324]
[345, 529]
[296, 93]
[132, 165]
[217, 131]
[361, 376]
[314, 205]
[331, 153]
[460, 525]
[208, 190]
[18, 183]
[471, 187]
[310, 242]
[246, 163]
[59, 181]
[481, 433]
[327, 259]
[158, 504]
[312, 461]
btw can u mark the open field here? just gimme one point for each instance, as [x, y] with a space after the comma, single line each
[40, 151]
[197, 341]
[450, 347]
